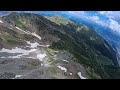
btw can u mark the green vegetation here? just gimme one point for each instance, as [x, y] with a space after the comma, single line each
[59, 20]
[50, 59]
[50, 51]
[85, 50]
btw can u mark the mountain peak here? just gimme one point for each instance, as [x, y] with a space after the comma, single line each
[58, 19]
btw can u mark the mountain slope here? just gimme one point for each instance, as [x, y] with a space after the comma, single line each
[62, 44]
[93, 47]
[27, 55]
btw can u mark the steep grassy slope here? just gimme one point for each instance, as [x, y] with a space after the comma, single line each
[88, 47]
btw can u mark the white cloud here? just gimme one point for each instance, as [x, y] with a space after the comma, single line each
[81, 14]
[105, 12]
[110, 14]
[77, 12]
[84, 15]
[114, 25]
[94, 18]
[111, 22]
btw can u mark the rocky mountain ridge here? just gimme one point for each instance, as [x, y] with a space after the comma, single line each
[41, 47]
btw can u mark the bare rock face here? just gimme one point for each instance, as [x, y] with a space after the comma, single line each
[7, 75]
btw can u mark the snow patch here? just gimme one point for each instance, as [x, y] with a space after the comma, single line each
[70, 73]
[41, 56]
[23, 30]
[41, 64]
[10, 28]
[17, 50]
[56, 51]
[44, 45]
[19, 28]
[18, 56]
[33, 45]
[65, 61]
[34, 34]
[1, 21]
[20, 51]
[27, 32]
[62, 68]
[80, 75]
[47, 45]
[17, 76]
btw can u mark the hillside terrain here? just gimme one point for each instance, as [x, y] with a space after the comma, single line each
[53, 47]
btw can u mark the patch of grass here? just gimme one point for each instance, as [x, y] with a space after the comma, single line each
[50, 59]
[92, 73]
[50, 51]
[20, 24]
[55, 62]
